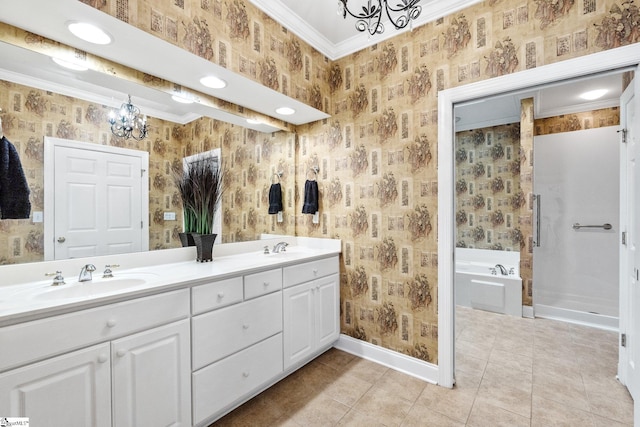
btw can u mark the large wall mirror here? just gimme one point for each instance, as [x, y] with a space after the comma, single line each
[33, 109]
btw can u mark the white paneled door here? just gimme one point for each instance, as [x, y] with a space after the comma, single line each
[99, 200]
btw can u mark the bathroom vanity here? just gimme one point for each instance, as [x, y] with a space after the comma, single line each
[173, 343]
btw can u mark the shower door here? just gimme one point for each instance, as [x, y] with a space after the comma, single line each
[575, 263]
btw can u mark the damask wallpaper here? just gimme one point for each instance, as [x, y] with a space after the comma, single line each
[377, 154]
[30, 114]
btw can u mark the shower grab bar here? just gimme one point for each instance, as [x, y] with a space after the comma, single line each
[536, 198]
[606, 226]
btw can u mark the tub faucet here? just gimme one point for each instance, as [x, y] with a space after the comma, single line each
[85, 273]
[503, 270]
[280, 247]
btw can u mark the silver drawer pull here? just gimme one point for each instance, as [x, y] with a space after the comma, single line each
[315, 271]
[245, 326]
[266, 284]
[111, 323]
[220, 295]
[245, 374]
[121, 353]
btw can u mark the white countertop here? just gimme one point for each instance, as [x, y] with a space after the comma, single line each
[25, 294]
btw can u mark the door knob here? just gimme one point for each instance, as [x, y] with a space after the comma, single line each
[61, 240]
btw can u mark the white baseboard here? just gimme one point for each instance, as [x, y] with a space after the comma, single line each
[391, 359]
[599, 321]
[527, 311]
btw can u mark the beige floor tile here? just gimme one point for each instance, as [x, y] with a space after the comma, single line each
[469, 363]
[365, 370]
[480, 350]
[522, 362]
[359, 419]
[387, 409]
[322, 410]
[500, 395]
[396, 383]
[347, 389]
[606, 422]
[421, 416]
[336, 359]
[547, 413]
[454, 403]
[487, 415]
[499, 375]
[560, 389]
[621, 410]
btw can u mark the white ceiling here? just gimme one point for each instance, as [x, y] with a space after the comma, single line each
[314, 21]
[318, 23]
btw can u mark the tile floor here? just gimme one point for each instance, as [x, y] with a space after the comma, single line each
[510, 372]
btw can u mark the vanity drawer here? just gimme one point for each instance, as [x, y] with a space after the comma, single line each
[307, 271]
[215, 295]
[219, 385]
[38, 339]
[220, 333]
[262, 283]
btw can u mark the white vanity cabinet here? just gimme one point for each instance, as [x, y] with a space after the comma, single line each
[72, 390]
[237, 349]
[311, 309]
[139, 371]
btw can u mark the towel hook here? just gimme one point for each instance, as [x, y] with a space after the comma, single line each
[315, 170]
[277, 175]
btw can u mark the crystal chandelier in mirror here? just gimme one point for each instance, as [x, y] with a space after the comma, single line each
[369, 19]
[128, 123]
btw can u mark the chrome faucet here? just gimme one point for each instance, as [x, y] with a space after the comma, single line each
[85, 273]
[503, 270]
[280, 247]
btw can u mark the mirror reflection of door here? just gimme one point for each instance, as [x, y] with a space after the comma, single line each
[98, 199]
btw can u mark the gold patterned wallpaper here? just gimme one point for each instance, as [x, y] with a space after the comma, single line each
[488, 193]
[377, 154]
[578, 121]
[30, 114]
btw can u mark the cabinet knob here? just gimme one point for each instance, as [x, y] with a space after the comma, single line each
[220, 295]
[266, 284]
[245, 326]
[103, 358]
[315, 271]
[121, 353]
[245, 374]
[111, 323]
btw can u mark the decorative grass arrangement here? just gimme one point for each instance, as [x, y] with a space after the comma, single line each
[201, 185]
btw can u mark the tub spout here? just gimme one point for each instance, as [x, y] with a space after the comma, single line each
[503, 270]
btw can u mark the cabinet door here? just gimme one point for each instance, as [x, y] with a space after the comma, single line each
[66, 391]
[151, 378]
[299, 323]
[327, 310]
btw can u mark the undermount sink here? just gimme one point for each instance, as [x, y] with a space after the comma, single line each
[89, 289]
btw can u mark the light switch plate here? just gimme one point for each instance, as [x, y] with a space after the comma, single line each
[37, 216]
[169, 216]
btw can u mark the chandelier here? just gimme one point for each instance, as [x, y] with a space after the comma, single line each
[128, 123]
[369, 19]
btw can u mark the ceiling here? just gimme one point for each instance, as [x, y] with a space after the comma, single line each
[314, 21]
[319, 24]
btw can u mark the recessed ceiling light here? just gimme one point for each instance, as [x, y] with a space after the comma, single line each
[70, 65]
[89, 33]
[285, 111]
[254, 121]
[213, 82]
[181, 99]
[593, 94]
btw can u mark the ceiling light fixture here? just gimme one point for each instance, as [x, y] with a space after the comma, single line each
[70, 65]
[593, 94]
[254, 121]
[128, 123]
[369, 19]
[213, 82]
[181, 99]
[285, 111]
[89, 33]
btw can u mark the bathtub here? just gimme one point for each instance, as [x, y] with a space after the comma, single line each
[479, 284]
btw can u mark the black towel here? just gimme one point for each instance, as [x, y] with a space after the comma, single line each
[14, 190]
[310, 205]
[275, 198]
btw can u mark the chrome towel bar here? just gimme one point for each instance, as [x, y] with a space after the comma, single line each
[606, 226]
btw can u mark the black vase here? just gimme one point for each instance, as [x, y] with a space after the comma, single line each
[204, 246]
[186, 239]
